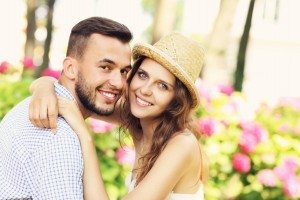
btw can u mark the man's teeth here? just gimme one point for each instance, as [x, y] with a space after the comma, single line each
[142, 102]
[109, 95]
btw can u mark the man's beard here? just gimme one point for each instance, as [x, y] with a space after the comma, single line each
[84, 94]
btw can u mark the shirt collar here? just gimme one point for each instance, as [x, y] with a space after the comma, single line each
[60, 90]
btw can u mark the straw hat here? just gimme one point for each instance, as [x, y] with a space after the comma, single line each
[183, 57]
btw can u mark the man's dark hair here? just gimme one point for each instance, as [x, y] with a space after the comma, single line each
[84, 29]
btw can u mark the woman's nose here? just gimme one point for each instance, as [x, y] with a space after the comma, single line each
[146, 90]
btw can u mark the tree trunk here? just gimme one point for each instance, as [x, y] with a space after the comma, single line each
[31, 28]
[164, 18]
[216, 69]
[241, 58]
[47, 44]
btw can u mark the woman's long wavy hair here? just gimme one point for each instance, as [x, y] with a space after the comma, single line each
[176, 118]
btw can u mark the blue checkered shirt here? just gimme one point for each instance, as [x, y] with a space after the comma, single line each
[34, 163]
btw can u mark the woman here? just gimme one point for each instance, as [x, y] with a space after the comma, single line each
[157, 112]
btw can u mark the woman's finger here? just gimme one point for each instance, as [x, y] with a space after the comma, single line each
[52, 116]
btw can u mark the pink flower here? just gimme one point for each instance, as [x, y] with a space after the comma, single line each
[248, 143]
[4, 67]
[99, 126]
[291, 187]
[256, 130]
[203, 90]
[125, 155]
[283, 173]
[241, 163]
[51, 72]
[291, 163]
[252, 135]
[226, 89]
[28, 63]
[207, 126]
[267, 177]
[287, 169]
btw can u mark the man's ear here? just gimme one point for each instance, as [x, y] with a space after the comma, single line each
[70, 66]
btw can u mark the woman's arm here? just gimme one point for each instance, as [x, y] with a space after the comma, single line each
[43, 110]
[93, 186]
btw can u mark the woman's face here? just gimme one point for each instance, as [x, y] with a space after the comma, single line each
[151, 90]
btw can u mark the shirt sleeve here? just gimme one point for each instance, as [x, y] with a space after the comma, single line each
[54, 171]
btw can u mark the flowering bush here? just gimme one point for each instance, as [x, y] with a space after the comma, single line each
[253, 154]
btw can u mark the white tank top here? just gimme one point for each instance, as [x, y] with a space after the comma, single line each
[199, 195]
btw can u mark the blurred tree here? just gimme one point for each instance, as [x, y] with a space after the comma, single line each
[164, 18]
[31, 27]
[47, 44]
[216, 69]
[166, 15]
[240, 67]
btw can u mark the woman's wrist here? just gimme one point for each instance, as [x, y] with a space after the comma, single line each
[83, 134]
[42, 83]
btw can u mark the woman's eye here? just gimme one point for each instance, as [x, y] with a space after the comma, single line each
[142, 75]
[163, 86]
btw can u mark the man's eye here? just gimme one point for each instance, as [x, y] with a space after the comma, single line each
[124, 72]
[105, 68]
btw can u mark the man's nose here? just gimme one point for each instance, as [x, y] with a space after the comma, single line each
[117, 80]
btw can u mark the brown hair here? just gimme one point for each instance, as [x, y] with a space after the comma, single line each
[176, 118]
[81, 32]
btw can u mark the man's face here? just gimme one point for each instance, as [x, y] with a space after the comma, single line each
[102, 73]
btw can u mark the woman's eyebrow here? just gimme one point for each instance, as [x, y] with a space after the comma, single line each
[169, 84]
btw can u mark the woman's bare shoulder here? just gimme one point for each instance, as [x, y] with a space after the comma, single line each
[185, 142]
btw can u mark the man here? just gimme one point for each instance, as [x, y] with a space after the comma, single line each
[37, 165]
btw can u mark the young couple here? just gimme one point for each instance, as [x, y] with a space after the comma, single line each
[154, 102]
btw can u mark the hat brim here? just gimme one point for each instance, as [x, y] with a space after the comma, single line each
[149, 51]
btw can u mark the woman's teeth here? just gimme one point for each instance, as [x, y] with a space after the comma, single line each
[142, 102]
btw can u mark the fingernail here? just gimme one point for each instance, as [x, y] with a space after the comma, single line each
[54, 131]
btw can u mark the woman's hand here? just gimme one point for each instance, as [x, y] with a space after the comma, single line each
[70, 111]
[43, 108]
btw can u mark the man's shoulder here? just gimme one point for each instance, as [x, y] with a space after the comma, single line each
[18, 132]
[17, 116]
[65, 131]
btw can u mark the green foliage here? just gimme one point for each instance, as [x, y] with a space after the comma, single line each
[12, 92]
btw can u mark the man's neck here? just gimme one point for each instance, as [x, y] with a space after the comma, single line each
[71, 88]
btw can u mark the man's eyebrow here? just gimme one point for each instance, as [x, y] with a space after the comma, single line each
[128, 66]
[106, 60]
